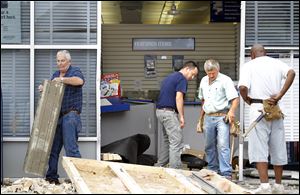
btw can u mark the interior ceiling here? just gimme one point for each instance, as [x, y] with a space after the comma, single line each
[155, 12]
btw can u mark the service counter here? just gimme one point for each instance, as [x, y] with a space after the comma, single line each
[140, 118]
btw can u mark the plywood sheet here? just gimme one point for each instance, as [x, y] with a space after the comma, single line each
[100, 178]
[43, 128]
[92, 176]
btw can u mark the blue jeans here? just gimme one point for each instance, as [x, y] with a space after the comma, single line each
[217, 149]
[172, 139]
[66, 135]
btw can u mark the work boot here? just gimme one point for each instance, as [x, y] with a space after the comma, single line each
[277, 189]
[53, 181]
[264, 188]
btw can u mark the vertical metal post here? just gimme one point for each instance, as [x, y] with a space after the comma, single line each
[98, 79]
[242, 60]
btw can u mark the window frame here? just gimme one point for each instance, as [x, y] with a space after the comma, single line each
[32, 47]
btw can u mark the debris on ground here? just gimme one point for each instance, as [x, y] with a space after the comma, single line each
[36, 186]
[40, 186]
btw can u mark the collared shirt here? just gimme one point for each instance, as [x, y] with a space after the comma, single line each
[218, 94]
[73, 94]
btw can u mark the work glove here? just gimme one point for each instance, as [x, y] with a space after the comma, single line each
[235, 128]
[200, 125]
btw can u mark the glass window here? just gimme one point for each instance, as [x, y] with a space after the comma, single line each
[86, 60]
[15, 84]
[272, 23]
[65, 22]
[25, 22]
[9, 28]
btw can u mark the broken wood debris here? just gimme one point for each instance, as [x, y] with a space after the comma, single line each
[111, 157]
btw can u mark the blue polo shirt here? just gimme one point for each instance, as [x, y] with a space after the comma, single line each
[73, 94]
[170, 85]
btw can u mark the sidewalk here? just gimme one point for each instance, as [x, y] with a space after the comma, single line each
[290, 180]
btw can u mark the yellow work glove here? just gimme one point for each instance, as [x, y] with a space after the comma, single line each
[235, 128]
[200, 125]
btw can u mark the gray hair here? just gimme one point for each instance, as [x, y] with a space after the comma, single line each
[211, 64]
[66, 54]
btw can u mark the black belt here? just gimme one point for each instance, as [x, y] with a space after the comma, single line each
[68, 111]
[256, 101]
[169, 109]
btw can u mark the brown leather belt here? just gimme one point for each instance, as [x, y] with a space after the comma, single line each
[216, 114]
[68, 111]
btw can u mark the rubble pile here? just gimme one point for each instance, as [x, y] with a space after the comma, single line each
[36, 186]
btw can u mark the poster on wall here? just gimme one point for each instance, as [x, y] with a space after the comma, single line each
[225, 11]
[149, 67]
[177, 62]
[10, 22]
[110, 85]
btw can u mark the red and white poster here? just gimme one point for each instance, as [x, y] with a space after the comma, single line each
[110, 85]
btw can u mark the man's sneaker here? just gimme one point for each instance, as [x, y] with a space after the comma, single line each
[263, 189]
[277, 189]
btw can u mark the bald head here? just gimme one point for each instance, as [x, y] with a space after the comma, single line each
[257, 50]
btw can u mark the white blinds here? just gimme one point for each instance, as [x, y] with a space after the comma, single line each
[65, 22]
[25, 22]
[15, 83]
[272, 23]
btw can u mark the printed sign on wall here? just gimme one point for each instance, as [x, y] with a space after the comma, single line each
[156, 44]
[110, 85]
[225, 11]
[10, 22]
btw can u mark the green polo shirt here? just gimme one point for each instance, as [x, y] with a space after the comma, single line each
[218, 94]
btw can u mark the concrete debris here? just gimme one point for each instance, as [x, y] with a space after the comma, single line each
[36, 186]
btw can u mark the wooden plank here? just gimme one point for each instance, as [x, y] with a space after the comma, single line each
[111, 156]
[220, 182]
[43, 128]
[126, 179]
[182, 179]
[76, 178]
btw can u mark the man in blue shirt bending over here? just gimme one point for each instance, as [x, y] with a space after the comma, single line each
[170, 113]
